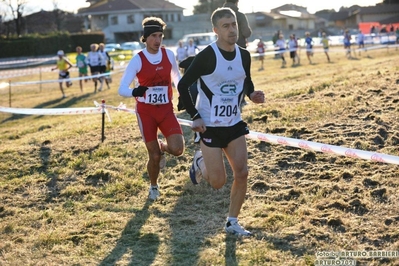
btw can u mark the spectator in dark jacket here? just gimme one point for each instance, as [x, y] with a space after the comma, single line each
[244, 31]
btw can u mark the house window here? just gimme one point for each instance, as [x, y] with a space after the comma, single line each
[130, 19]
[114, 20]
[178, 17]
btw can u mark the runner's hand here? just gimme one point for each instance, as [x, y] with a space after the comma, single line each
[198, 125]
[257, 97]
[139, 91]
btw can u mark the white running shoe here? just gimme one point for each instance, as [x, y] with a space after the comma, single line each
[236, 229]
[153, 193]
[195, 171]
[162, 162]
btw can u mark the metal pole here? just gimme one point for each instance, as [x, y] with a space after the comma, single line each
[40, 71]
[9, 93]
[103, 121]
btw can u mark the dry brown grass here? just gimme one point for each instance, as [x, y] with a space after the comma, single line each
[68, 199]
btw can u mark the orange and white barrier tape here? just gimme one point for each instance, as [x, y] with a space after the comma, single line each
[298, 143]
[302, 144]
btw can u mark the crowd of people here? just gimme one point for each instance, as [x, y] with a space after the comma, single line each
[292, 45]
[97, 60]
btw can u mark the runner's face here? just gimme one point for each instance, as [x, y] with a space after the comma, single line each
[154, 41]
[227, 30]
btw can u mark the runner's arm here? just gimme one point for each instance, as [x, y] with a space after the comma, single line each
[197, 68]
[129, 76]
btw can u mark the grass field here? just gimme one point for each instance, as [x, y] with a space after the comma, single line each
[66, 198]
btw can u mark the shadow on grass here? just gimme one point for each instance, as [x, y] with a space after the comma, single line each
[56, 103]
[132, 242]
[53, 187]
[198, 217]
[196, 222]
[45, 154]
[230, 252]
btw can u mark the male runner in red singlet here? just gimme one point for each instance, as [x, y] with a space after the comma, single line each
[154, 68]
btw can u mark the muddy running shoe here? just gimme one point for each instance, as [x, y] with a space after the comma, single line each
[162, 162]
[236, 229]
[195, 171]
[153, 193]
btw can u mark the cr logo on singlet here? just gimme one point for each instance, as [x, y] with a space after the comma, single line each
[227, 88]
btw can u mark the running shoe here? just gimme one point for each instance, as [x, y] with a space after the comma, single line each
[153, 193]
[195, 171]
[236, 229]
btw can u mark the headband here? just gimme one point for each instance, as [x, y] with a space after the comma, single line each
[150, 29]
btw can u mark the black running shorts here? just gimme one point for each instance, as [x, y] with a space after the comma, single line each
[220, 137]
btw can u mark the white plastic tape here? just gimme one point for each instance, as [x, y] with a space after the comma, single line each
[53, 111]
[6, 74]
[302, 144]
[325, 148]
[63, 80]
[298, 143]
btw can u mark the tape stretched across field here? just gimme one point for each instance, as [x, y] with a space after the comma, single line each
[99, 109]
[298, 143]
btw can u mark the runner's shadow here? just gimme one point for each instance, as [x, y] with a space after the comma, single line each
[198, 216]
[132, 238]
[63, 103]
[230, 252]
[56, 103]
[287, 243]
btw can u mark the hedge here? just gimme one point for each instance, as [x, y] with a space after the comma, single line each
[39, 45]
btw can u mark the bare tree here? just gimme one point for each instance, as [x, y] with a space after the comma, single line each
[16, 9]
[57, 14]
